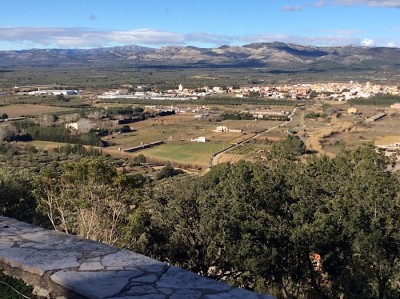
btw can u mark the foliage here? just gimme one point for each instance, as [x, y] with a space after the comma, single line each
[326, 228]
[7, 293]
[60, 97]
[290, 148]
[206, 101]
[78, 149]
[377, 100]
[237, 116]
[89, 198]
[125, 129]
[167, 171]
[16, 200]
[57, 134]
[313, 115]
[127, 110]
[139, 159]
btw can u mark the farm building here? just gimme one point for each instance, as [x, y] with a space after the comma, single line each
[199, 139]
[221, 129]
[71, 126]
[352, 110]
[375, 117]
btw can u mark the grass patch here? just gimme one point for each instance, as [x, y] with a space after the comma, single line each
[191, 153]
[32, 110]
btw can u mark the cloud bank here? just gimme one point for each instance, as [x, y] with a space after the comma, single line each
[42, 37]
[374, 3]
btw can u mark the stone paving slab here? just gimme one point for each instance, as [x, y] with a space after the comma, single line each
[100, 285]
[68, 264]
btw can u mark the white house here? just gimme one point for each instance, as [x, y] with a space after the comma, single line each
[71, 126]
[199, 139]
[221, 129]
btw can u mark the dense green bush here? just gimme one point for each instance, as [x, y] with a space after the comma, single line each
[11, 288]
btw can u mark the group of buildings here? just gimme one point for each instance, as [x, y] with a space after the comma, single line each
[327, 91]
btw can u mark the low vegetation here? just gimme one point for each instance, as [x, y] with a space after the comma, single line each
[11, 288]
[378, 100]
[323, 228]
[285, 222]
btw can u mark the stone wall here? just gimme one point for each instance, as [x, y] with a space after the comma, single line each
[59, 265]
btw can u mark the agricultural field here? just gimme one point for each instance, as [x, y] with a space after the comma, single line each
[331, 128]
[31, 110]
[177, 131]
[337, 128]
[191, 154]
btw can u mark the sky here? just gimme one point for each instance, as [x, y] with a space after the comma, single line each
[27, 24]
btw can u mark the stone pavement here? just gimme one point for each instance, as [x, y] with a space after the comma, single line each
[59, 265]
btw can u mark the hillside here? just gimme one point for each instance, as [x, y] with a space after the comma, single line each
[270, 55]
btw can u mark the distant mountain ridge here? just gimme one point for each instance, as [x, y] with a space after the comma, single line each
[277, 54]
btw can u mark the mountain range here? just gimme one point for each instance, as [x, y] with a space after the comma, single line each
[269, 55]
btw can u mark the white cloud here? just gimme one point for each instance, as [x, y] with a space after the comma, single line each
[40, 37]
[375, 3]
[83, 37]
[318, 3]
[367, 42]
[323, 41]
[391, 45]
[291, 8]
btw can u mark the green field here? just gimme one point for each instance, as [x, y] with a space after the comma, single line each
[32, 110]
[197, 154]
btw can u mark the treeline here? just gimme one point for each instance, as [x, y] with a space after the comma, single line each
[56, 134]
[51, 101]
[78, 149]
[325, 228]
[377, 100]
[135, 117]
[206, 101]
[237, 116]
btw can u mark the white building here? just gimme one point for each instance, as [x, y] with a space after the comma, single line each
[199, 139]
[221, 129]
[71, 126]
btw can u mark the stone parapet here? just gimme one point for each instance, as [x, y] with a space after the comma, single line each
[59, 265]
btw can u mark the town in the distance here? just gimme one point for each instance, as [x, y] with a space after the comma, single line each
[232, 122]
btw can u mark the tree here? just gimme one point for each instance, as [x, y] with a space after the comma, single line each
[326, 228]
[167, 171]
[137, 110]
[313, 94]
[16, 199]
[61, 97]
[125, 129]
[47, 120]
[84, 125]
[290, 148]
[89, 198]
[140, 159]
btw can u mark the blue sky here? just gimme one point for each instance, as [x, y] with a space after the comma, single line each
[26, 24]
